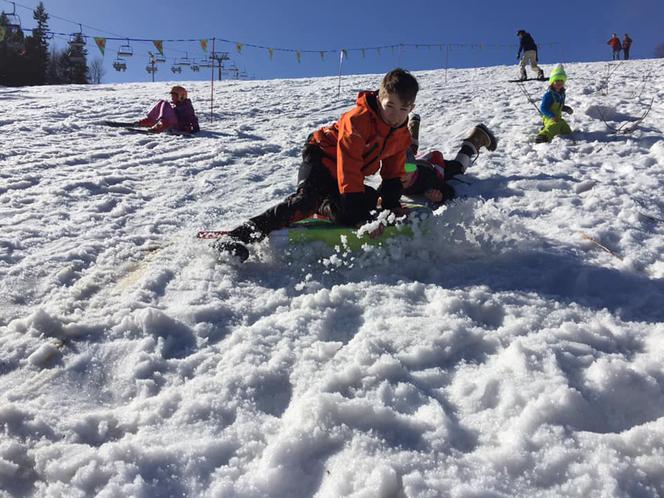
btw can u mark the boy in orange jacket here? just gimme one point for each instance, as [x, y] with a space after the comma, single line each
[372, 137]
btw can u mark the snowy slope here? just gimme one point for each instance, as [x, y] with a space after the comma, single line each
[500, 353]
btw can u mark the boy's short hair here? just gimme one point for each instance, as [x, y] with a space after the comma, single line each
[402, 83]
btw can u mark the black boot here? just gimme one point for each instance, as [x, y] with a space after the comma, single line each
[232, 247]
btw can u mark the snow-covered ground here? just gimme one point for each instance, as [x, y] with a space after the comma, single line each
[501, 352]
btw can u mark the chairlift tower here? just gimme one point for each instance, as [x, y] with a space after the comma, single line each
[219, 57]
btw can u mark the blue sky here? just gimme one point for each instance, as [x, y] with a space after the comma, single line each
[580, 28]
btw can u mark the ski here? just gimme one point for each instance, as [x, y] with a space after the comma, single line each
[119, 124]
[527, 79]
[133, 127]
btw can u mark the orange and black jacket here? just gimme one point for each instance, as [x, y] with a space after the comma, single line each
[360, 144]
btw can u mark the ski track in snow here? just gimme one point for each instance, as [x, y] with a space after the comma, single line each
[512, 347]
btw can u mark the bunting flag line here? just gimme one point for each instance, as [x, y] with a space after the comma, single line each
[204, 45]
[101, 44]
[159, 45]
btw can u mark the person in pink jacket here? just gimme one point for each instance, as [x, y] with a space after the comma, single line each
[176, 115]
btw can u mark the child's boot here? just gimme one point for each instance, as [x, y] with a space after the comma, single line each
[234, 248]
[481, 136]
[234, 242]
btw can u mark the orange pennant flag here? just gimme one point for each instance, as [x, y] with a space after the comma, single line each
[159, 45]
[101, 44]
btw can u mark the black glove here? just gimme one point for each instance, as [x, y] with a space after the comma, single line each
[568, 109]
[353, 209]
[390, 193]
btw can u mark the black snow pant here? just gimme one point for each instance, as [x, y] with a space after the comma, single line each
[317, 192]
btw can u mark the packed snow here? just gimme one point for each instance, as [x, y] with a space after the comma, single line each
[513, 346]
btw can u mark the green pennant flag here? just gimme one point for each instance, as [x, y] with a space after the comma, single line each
[101, 44]
[3, 30]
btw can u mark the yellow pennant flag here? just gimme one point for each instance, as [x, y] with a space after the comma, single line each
[101, 44]
[159, 45]
[204, 44]
[238, 47]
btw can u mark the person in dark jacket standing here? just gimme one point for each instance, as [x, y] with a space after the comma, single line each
[616, 47]
[529, 49]
[626, 44]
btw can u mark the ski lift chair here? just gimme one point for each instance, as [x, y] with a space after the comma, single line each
[184, 61]
[76, 41]
[119, 65]
[151, 69]
[14, 34]
[176, 69]
[195, 67]
[125, 50]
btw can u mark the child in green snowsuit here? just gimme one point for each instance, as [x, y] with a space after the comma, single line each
[553, 105]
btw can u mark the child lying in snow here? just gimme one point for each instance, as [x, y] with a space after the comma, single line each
[428, 174]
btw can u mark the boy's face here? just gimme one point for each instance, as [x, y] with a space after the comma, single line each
[558, 85]
[393, 111]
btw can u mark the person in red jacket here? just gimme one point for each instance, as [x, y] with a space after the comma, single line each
[371, 138]
[626, 45]
[614, 41]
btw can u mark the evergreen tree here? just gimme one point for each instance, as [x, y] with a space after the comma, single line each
[54, 71]
[13, 66]
[37, 47]
[76, 61]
